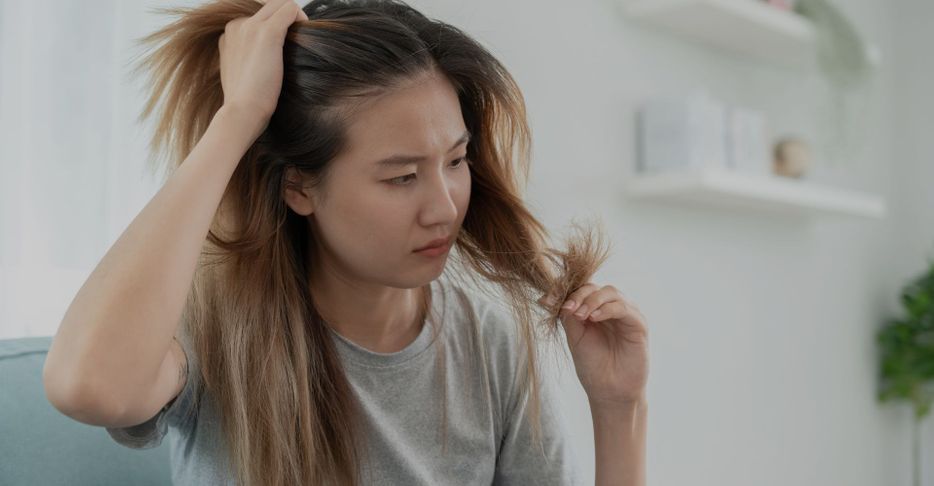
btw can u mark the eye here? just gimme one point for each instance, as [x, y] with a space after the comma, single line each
[404, 180]
[398, 181]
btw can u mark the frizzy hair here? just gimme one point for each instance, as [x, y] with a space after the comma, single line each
[289, 413]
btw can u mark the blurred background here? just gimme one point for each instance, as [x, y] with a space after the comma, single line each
[764, 170]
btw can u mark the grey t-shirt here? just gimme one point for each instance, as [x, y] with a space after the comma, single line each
[488, 425]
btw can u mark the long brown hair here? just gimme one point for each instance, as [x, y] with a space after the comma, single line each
[289, 414]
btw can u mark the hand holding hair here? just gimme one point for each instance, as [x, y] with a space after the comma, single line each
[251, 58]
[608, 340]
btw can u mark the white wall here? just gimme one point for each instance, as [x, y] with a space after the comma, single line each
[71, 153]
[763, 359]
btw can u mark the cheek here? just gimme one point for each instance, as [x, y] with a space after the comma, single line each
[353, 223]
[379, 220]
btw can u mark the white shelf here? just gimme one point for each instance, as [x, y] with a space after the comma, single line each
[725, 188]
[749, 27]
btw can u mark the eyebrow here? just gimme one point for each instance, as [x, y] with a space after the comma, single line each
[403, 160]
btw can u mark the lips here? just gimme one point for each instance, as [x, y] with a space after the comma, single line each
[435, 243]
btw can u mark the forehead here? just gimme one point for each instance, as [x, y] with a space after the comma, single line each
[423, 117]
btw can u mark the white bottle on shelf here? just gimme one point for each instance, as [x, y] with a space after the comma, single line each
[748, 148]
[682, 133]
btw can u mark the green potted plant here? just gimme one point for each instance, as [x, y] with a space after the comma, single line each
[907, 357]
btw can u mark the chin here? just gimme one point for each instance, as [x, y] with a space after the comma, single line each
[414, 277]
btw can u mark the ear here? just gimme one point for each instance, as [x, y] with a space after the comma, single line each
[298, 197]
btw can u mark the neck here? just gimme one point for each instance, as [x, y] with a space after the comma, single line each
[377, 317]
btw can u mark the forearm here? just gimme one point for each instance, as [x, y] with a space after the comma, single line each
[619, 443]
[119, 327]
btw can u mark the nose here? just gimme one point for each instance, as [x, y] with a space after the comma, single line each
[438, 205]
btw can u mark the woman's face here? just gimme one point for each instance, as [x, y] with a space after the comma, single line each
[378, 208]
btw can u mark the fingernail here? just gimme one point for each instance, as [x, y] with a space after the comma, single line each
[581, 312]
[569, 305]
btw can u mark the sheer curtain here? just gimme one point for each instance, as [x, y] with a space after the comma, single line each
[72, 154]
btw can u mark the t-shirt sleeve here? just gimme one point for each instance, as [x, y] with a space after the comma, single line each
[521, 461]
[178, 412]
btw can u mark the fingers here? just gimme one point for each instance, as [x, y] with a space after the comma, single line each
[614, 308]
[282, 14]
[583, 301]
[574, 300]
[269, 8]
[273, 8]
[287, 14]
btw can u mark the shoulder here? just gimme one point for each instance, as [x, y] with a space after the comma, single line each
[484, 312]
[482, 326]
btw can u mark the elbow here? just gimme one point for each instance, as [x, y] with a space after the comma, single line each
[78, 400]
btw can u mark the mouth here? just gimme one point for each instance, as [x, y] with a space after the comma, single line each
[436, 244]
[434, 252]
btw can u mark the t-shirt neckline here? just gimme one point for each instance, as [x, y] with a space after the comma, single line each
[350, 351]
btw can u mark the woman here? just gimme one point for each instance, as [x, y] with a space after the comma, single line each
[321, 150]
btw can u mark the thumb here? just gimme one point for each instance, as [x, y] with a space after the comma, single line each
[573, 327]
[287, 14]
